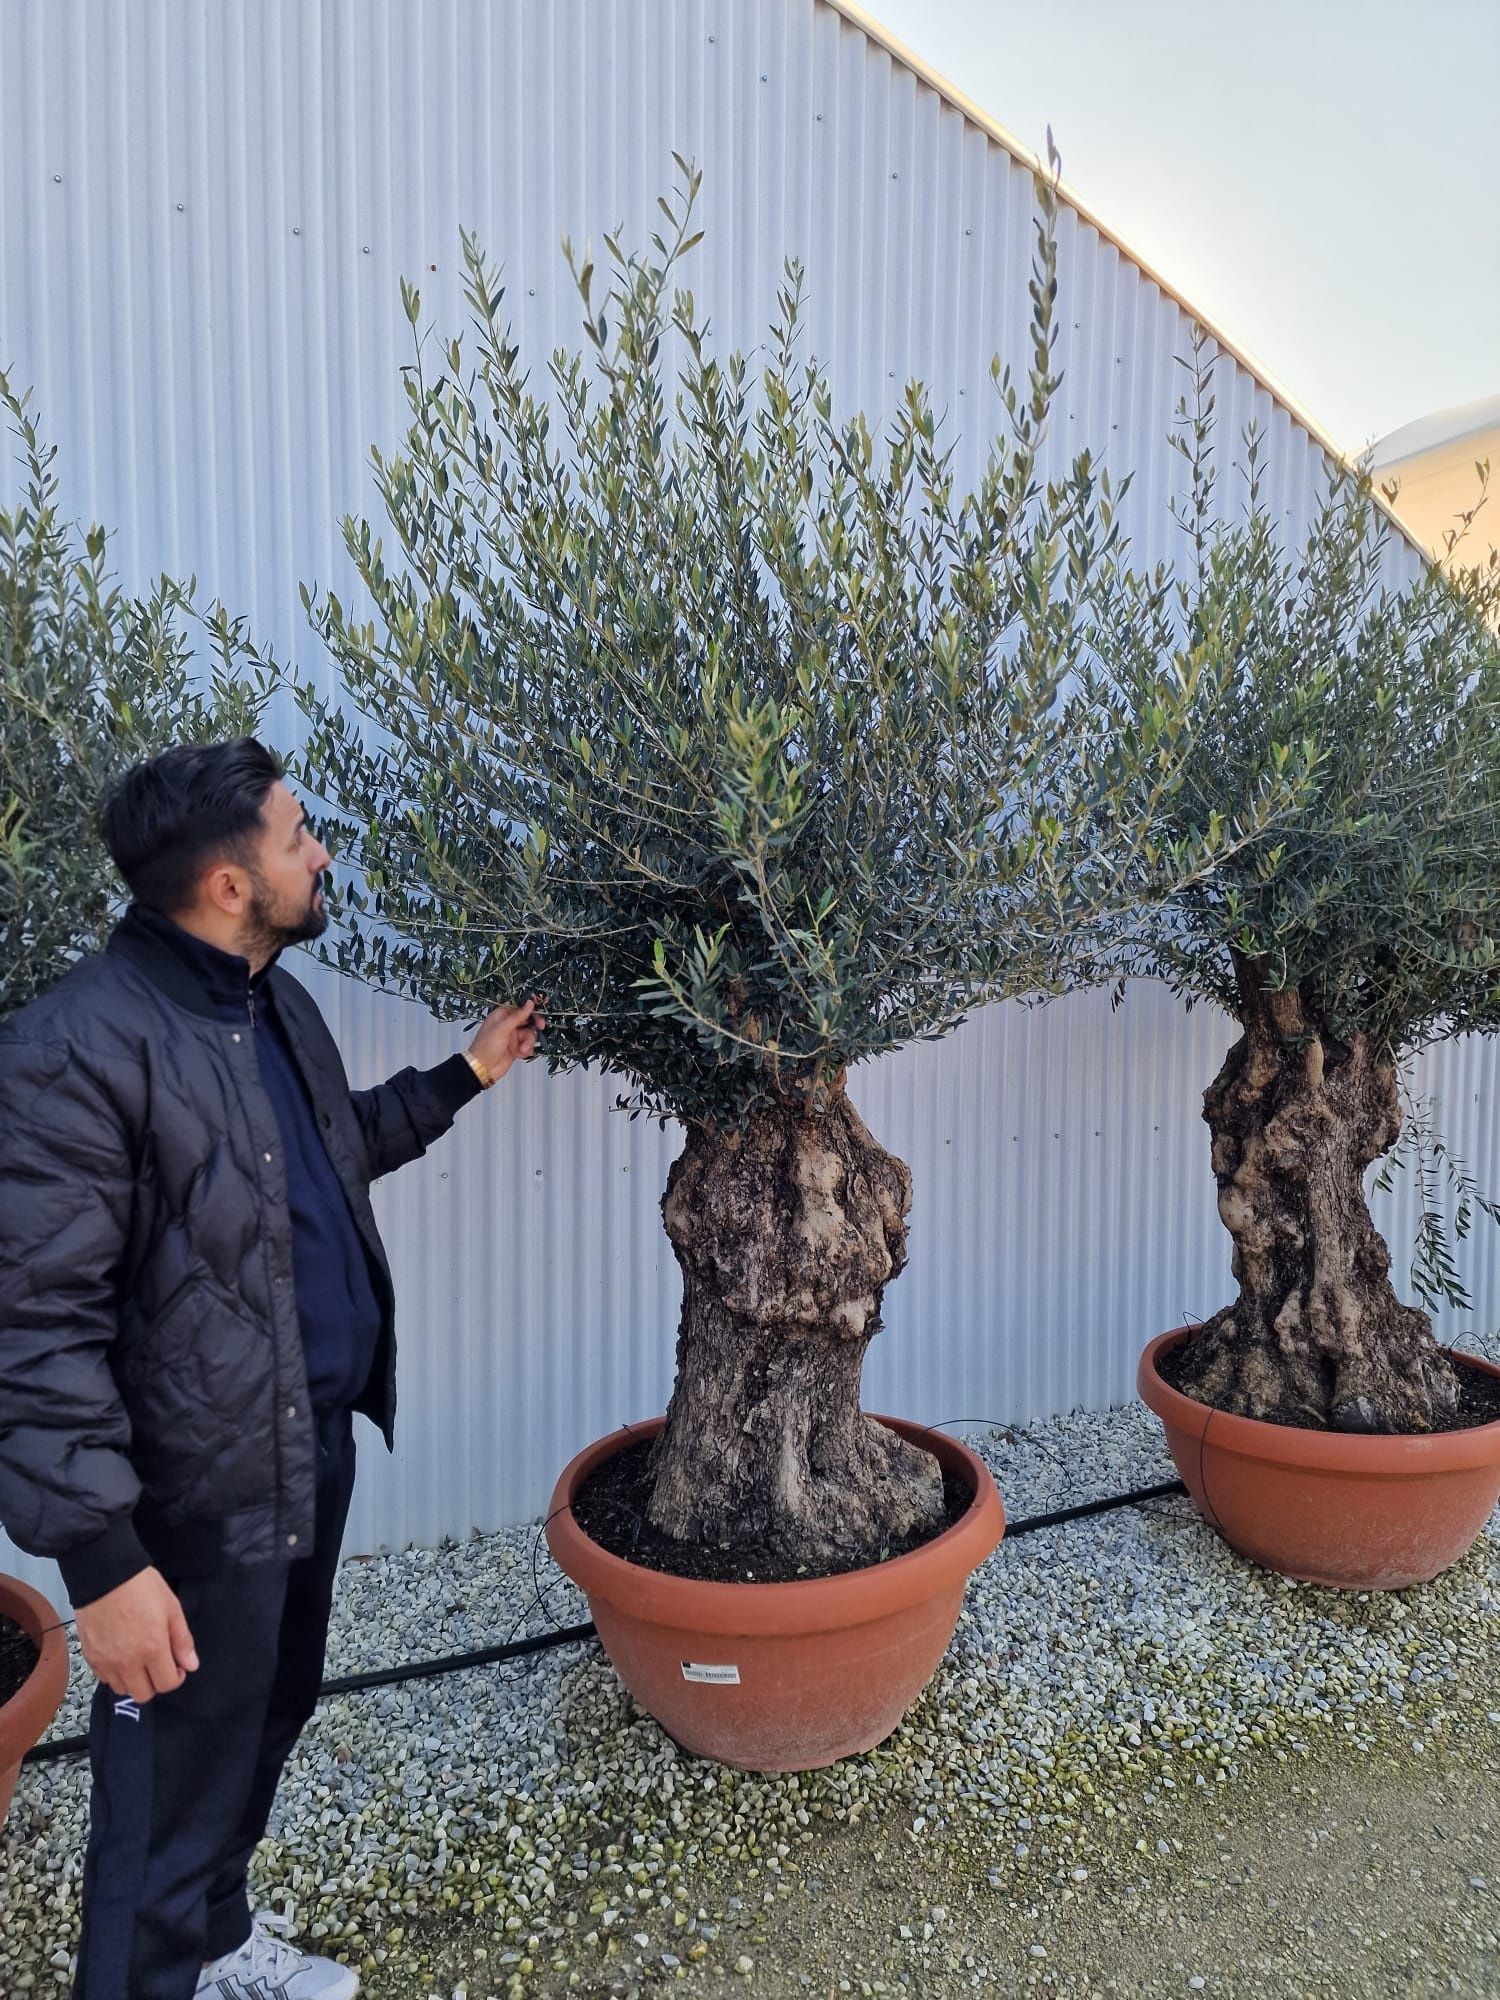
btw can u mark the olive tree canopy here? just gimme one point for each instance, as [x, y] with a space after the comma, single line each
[91, 679]
[740, 734]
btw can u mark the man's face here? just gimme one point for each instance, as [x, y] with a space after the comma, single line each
[286, 875]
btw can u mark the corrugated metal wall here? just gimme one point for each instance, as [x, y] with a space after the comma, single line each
[205, 209]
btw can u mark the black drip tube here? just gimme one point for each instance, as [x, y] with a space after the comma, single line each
[572, 1635]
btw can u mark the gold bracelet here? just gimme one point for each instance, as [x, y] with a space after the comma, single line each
[486, 1081]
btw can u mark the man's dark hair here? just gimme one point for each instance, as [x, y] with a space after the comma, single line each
[168, 818]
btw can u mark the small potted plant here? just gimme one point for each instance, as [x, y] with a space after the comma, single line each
[33, 1676]
[1317, 1421]
[749, 745]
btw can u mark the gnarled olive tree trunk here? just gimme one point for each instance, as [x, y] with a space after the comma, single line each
[1317, 1336]
[787, 1234]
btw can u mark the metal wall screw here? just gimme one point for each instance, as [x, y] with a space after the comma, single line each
[367, 250]
[295, 230]
[57, 177]
[180, 207]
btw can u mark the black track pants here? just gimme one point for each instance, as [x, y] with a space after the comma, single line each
[183, 1784]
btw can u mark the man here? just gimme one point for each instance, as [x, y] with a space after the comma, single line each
[193, 1300]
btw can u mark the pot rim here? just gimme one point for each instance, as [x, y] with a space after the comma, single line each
[854, 1597]
[1401, 1455]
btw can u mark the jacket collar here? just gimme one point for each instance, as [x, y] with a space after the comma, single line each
[208, 982]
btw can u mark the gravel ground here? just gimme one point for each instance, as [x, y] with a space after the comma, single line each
[1115, 1689]
[1340, 1877]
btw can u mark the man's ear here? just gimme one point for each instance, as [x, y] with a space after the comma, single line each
[224, 887]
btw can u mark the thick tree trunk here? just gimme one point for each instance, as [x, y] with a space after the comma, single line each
[787, 1235]
[1317, 1336]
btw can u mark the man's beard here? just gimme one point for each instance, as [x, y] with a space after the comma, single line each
[272, 926]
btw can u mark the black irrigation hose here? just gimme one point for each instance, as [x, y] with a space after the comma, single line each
[450, 1663]
[1168, 1490]
[489, 1656]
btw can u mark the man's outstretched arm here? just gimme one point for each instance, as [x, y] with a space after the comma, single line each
[401, 1117]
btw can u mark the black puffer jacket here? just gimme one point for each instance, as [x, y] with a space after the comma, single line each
[153, 1399]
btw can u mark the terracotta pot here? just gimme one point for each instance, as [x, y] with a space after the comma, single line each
[24, 1718]
[1349, 1512]
[780, 1676]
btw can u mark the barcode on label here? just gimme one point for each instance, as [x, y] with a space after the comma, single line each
[694, 1670]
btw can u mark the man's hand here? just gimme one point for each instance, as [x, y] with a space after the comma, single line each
[507, 1036]
[136, 1639]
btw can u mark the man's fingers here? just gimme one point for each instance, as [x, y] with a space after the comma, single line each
[181, 1640]
[517, 1016]
[509, 1034]
[164, 1672]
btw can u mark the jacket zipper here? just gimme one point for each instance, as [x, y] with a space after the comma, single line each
[276, 1431]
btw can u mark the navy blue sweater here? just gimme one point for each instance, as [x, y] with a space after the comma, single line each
[336, 1302]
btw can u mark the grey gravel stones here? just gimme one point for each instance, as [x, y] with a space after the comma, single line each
[1126, 1656]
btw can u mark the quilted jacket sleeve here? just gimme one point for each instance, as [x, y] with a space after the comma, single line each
[67, 1488]
[401, 1117]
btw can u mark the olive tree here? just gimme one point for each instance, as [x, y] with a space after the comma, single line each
[1361, 927]
[755, 747]
[90, 680]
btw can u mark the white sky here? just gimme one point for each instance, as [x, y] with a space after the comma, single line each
[1321, 177]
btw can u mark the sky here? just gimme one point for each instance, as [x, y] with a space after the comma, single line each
[1321, 179]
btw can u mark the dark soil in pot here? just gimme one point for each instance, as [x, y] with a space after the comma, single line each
[1478, 1391]
[18, 1655]
[611, 1510]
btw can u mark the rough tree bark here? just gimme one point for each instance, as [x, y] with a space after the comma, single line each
[787, 1235]
[1317, 1336]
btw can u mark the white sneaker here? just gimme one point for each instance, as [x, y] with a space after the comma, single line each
[268, 1966]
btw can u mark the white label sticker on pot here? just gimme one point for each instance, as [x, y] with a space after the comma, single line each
[692, 1670]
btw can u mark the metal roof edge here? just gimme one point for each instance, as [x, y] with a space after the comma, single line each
[859, 17]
